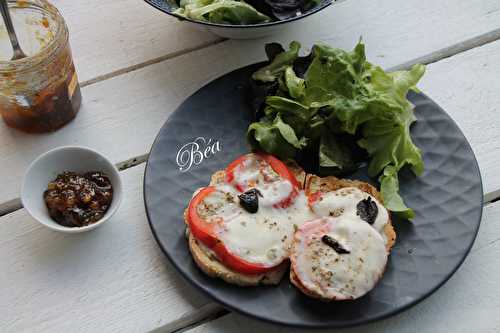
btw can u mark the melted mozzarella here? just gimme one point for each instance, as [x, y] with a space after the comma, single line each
[221, 204]
[274, 192]
[339, 276]
[344, 201]
[256, 173]
[264, 237]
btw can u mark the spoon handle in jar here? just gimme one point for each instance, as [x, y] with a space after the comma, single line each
[4, 8]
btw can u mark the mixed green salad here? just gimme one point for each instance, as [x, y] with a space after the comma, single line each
[243, 12]
[332, 111]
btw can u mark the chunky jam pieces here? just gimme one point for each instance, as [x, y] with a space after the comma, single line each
[39, 93]
[77, 200]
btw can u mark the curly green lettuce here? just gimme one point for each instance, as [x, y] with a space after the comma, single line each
[341, 98]
[237, 12]
[221, 11]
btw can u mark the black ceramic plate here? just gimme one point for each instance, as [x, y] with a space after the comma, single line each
[447, 199]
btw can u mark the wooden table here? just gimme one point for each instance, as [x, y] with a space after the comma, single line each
[136, 66]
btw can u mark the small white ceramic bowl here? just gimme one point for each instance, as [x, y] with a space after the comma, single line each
[54, 162]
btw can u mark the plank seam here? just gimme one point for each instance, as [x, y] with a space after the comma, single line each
[15, 204]
[430, 58]
[492, 197]
[132, 162]
[452, 50]
[10, 206]
[153, 61]
[194, 318]
[478, 41]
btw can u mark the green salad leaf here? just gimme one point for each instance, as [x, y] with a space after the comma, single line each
[335, 157]
[221, 11]
[340, 98]
[238, 12]
[295, 85]
[389, 188]
[275, 136]
[279, 64]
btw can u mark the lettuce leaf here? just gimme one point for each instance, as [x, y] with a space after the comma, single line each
[242, 11]
[221, 11]
[341, 92]
[389, 188]
[295, 85]
[278, 66]
[335, 157]
[334, 73]
[275, 137]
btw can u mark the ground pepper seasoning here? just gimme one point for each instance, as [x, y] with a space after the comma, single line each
[39, 93]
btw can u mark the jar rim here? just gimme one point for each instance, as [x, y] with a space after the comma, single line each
[23, 64]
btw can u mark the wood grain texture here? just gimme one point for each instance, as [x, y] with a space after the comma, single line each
[394, 31]
[115, 278]
[112, 279]
[121, 116]
[468, 302]
[467, 87]
[107, 36]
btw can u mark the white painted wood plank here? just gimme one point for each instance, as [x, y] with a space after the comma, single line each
[106, 36]
[394, 31]
[467, 86]
[112, 279]
[109, 35]
[468, 302]
[115, 279]
[121, 116]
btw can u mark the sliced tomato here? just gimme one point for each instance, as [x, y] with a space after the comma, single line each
[205, 232]
[279, 167]
[313, 198]
[230, 171]
[201, 229]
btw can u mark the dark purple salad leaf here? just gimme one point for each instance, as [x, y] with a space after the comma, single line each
[282, 9]
[301, 65]
[272, 50]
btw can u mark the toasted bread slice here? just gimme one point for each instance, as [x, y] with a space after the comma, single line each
[314, 184]
[298, 172]
[311, 293]
[211, 266]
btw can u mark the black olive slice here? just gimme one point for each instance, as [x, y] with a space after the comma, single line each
[250, 200]
[334, 245]
[367, 209]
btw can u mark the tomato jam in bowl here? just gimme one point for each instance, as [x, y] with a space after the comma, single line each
[78, 200]
[71, 189]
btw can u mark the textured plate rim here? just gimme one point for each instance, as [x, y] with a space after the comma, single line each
[275, 321]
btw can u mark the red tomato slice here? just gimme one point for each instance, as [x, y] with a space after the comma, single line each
[313, 198]
[204, 232]
[230, 171]
[279, 167]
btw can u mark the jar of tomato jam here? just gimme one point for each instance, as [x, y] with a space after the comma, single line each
[39, 93]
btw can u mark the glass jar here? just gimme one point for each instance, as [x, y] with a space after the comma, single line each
[39, 93]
